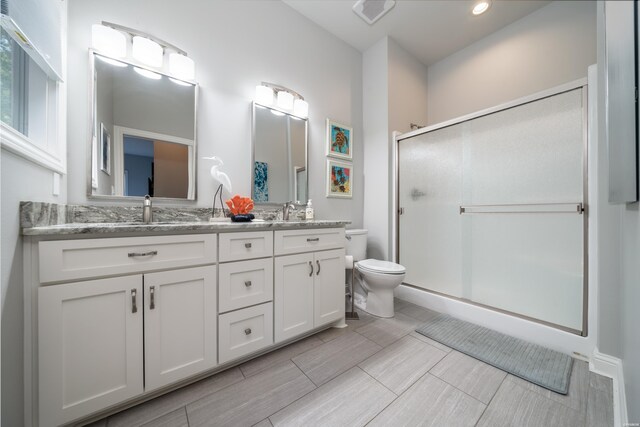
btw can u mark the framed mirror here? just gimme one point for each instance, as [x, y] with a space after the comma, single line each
[279, 157]
[143, 132]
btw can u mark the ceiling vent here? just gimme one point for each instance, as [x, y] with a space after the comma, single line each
[372, 10]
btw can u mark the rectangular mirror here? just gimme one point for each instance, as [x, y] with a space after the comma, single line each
[279, 157]
[144, 132]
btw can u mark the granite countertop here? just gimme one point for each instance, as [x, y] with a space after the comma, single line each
[160, 227]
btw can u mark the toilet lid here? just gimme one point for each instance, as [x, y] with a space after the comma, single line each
[378, 266]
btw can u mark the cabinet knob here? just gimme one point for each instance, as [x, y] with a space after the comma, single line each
[247, 283]
[247, 245]
[247, 331]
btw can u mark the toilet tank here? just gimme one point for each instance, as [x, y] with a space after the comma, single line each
[357, 244]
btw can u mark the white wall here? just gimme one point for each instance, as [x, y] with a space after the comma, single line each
[549, 47]
[21, 180]
[235, 46]
[395, 95]
[375, 100]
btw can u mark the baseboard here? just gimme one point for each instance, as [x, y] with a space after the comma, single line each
[611, 367]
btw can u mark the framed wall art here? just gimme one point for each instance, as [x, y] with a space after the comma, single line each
[339, 140]
[339, 179]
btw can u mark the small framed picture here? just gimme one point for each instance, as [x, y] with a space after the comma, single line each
[105, 150]
[339, 140]
[339, 179]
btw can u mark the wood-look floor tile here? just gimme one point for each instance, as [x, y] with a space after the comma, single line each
[169, 402]
[386, 331]
[273, 358]
[470, 375]
[177, 418]
[576, 398]
[402, 363]
[419, 313]
[331, 359]
[99, 423]
[514, 405]
[351, 399]
[264, 423]
[431, 342]
[431, 402]
[251, 400]
[599, 401]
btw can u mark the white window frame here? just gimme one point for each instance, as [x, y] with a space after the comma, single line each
[52, 153]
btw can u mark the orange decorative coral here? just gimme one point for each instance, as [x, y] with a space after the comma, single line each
[240, 205]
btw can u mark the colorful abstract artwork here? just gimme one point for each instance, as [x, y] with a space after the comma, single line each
[339, 179]
[261, 182]
[339, 140]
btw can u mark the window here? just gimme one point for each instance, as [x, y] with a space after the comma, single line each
[31, 115]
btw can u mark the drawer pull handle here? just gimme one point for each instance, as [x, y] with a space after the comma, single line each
[311, 272]
[247, 331]
[135, 254]
[318, 264]
[247, 245]
[247, 283]
[134, 305]
[315, 239]
[152, 303]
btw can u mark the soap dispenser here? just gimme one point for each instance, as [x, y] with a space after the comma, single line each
[308, 212]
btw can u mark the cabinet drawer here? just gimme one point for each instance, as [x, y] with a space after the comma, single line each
[245, 283]
[239, 246]
[76, 259]
[245, 331]
[296, 241]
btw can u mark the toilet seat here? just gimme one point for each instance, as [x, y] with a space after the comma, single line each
[380, 267]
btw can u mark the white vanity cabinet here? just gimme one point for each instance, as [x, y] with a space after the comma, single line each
[117, 320]
[309, 286]
[90, 347]
[91, 333]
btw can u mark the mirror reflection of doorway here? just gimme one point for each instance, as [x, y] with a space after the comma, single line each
[153, 167]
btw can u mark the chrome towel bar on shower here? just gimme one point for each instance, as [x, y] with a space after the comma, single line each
[525, 208]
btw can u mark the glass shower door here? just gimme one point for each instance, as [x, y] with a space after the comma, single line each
[491, 210]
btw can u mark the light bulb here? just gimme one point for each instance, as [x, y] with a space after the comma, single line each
[285, 100]
[481, 7]
[300, 108]
[108, 41]
[147, 51]
[264, 95]
[181, 66]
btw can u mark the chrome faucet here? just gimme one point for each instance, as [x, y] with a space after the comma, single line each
[147, 212]
[287, 208]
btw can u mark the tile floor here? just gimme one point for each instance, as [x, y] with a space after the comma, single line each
[375, 372]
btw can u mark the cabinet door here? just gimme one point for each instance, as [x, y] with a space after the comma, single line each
[328, 301]
[293, 296]
[90, 347]
[180, 324]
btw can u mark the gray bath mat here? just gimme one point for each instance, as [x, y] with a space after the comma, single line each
[539, 365]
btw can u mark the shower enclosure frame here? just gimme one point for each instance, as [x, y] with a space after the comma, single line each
[396, 210]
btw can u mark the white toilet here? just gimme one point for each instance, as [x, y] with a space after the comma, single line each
[379, 278]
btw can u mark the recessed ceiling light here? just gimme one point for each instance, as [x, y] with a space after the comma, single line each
[481, 7]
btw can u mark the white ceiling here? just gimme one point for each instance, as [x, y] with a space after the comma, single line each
[429, 30]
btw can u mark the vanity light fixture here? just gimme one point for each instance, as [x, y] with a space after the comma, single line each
[108, 41]
[111, 40]
[481, 7]
[181, 66]
[264, 95]
[286, 101]
[147, 51]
